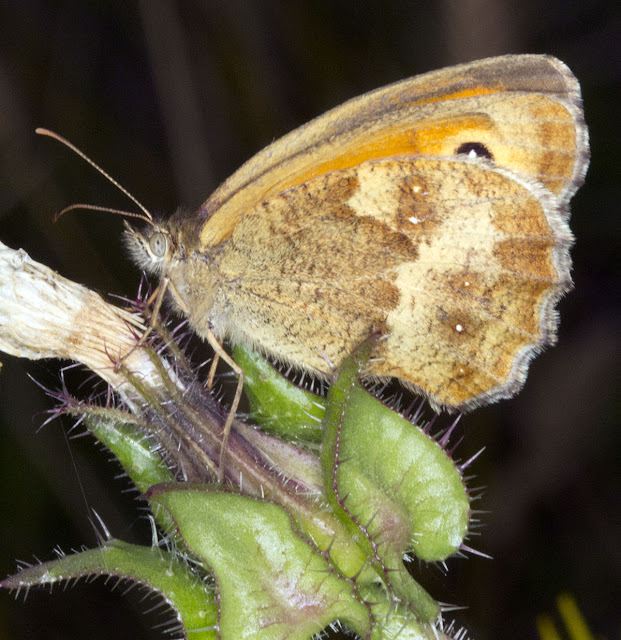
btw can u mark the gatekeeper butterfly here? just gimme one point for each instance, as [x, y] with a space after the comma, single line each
[433, 211]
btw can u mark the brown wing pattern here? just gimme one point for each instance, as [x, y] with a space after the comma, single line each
[457, 262]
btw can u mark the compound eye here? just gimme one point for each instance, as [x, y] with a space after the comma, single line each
[158, 244]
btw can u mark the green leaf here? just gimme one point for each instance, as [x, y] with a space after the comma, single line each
[132, 448]
[395, 621]
[273, 583]
[411, 474]
[277, 405]
[394, 485]
[158, 570]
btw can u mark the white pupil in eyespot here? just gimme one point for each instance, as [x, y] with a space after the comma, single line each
[158, 244]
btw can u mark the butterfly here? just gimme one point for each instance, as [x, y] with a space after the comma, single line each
[433, 211]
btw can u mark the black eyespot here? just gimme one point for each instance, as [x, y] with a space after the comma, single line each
[475, 150]
[158, 243]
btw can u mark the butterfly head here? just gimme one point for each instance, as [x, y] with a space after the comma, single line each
[153, 248]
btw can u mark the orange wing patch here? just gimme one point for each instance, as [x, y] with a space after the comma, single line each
[525, 110]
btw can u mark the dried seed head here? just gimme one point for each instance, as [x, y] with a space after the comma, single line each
[43, 315]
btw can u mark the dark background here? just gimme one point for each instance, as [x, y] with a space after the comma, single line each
[170, 97]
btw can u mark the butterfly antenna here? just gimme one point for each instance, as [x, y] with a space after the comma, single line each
[147, 216]
[95, 207]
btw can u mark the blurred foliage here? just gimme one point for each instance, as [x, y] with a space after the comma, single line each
[573, 624]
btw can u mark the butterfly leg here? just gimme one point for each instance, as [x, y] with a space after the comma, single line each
[156, 299]
[219, 352]
[212, 370]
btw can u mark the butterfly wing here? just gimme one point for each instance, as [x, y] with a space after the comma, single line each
[433, 210]
[458, 265]
[525, 110]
